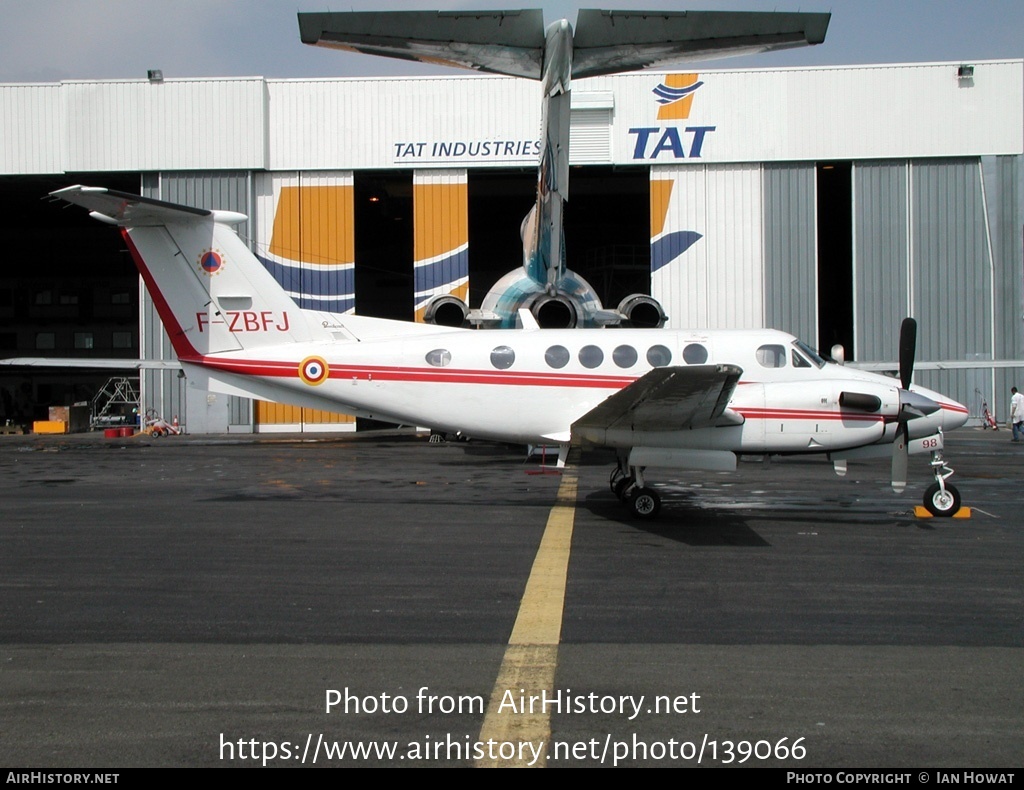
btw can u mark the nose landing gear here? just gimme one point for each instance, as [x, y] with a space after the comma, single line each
[941, 499]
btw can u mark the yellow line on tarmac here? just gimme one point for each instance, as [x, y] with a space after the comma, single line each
[528, 668]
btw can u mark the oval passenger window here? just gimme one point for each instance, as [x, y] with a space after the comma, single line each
[658, 356]
[591, 356]
[695, 354]
[557, 356]
[624, 356]
[439, 357]
[502, 357]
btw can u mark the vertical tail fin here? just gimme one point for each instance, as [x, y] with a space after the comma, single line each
[211, 292]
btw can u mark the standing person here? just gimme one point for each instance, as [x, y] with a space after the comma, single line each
[1017, 414]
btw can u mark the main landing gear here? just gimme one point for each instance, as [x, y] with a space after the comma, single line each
[627, 483]
[941, 499]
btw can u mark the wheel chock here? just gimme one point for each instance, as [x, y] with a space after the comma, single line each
[922, 512]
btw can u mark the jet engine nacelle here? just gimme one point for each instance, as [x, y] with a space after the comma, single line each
[572, 303]
[446, 310]
[643, 311]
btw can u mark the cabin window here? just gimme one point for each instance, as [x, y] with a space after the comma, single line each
[502, 357]
[439, 357]
[591, 356]
[557, 356]
[695, 354]
[658, 356]
[624, 356]
[799, 361]
[771, 356]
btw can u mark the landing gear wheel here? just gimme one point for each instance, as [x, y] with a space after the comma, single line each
[941, 503]
[621, 488]
[616, 477]
[645, 503]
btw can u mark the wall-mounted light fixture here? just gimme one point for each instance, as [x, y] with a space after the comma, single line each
[964, 72]
[155, 75]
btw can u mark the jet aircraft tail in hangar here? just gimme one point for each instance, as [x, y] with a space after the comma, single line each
[517, 43]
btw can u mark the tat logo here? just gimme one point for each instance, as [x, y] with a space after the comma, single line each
[675, 99]
[675, 95]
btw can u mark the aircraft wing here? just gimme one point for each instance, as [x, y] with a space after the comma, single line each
[97, 363]
[607, 42]
[942, 364]
[666, 399]
[500, 42]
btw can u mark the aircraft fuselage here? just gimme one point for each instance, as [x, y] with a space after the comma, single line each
[530, 386]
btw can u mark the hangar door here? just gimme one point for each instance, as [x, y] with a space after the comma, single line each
[305, 237]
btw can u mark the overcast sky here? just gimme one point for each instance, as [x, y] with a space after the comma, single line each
[52, 40]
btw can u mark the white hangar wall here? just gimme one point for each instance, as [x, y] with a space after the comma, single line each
[175, 125]
[880, 112]
[935, 184]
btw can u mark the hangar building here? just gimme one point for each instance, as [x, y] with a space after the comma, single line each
[828, 202]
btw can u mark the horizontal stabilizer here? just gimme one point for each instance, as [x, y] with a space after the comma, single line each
[212, 294]
[500, 42]
[127, 209]
[607, 42]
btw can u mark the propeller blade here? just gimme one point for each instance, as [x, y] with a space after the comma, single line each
[900, 454]
[908, 348]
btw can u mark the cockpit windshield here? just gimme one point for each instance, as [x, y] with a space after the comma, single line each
[810, 353]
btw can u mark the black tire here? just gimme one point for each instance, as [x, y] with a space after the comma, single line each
[939, 504]
[621, 488]
[644, 503]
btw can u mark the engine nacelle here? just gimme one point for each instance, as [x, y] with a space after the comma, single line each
[554, 312]
[446, 310]
[574, 303]
[643, 312]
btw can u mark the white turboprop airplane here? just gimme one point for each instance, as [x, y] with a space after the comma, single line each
[688, 398]
[516, 43]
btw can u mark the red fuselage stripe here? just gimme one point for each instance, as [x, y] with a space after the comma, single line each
[382, 373]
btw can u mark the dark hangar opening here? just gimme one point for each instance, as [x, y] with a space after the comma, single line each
[384, 244]
[835, 256]
[68, 288]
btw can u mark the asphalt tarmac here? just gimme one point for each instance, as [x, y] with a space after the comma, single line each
[229, 601]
